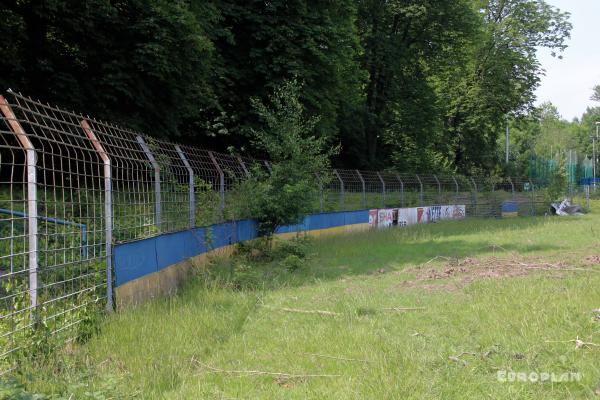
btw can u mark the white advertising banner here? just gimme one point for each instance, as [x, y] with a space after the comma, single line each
[385, 218]
[453, 212]
[434, 213]
[372, 218]
[422, 215]
[407, 216]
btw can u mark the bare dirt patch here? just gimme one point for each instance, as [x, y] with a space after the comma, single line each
[455, 274]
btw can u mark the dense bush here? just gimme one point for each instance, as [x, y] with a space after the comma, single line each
[299, 162]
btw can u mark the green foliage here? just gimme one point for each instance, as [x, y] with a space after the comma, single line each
[270, 42]
[144, 64]
[544, 134]
[499, 76]
[299, 161]
[298, 247]
[261, 260]
[596, 93]
[557, 186]
[417, 85]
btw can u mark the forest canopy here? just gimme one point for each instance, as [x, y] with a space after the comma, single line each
[407, 84]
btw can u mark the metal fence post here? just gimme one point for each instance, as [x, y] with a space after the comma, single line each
[221, 183]
[382, 190]
[532, 197]
[320, 189]
[457, 189]
[268, 166]
[439, 189]
[512, 187]
[192, 193]
[32, 217]
[342, 192]
[157, 200]
[108, 228]
[421, 190]
[474, 199]
[243, 166]
[401, 190]
[364, 194]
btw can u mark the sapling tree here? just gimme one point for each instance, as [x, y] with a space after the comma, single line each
[299, 161]
[557, 185]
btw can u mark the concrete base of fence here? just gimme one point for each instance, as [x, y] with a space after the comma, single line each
[167, 280]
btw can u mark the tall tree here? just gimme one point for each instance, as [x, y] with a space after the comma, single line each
[270, 42]
[404, 42]
[501, 77]
[145, 64]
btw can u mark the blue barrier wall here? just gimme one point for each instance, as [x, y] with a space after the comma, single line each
[143, 257]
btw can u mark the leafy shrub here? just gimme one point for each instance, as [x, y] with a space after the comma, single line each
[557, 186]
[299, 162]
[298, 246]
[292, 263]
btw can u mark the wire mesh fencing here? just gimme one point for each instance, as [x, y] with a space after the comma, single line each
[72, 187]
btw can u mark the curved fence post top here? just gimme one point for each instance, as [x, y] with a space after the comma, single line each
[107, 209]
[399, 178]
[335, 171]
[32, 201]
[243, 165]
[149, 154]
[363, 189]
[18, 130]
[95, 142]
[157, 190]
[268, 165]
[191, 190]
[438, 183]
[474, 183]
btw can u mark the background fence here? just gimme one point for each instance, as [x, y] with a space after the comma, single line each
[71, 187]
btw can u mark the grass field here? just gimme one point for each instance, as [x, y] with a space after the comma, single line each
[426, 312]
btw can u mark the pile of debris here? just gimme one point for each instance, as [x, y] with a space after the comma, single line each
[565, 208]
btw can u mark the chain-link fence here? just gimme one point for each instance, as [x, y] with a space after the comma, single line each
[71, 187]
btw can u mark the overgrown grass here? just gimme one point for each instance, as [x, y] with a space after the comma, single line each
[237, 316]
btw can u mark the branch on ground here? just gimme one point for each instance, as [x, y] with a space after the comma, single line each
[296, 310]
[579, 344]
[260, 373]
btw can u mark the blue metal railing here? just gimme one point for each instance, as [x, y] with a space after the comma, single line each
[58, 221]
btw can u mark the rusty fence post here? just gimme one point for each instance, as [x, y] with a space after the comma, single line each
[108, 228]
[32, 211]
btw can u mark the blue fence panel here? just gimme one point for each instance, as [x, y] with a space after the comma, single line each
[136, 259]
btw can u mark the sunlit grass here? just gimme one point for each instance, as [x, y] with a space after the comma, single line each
[451, 347]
